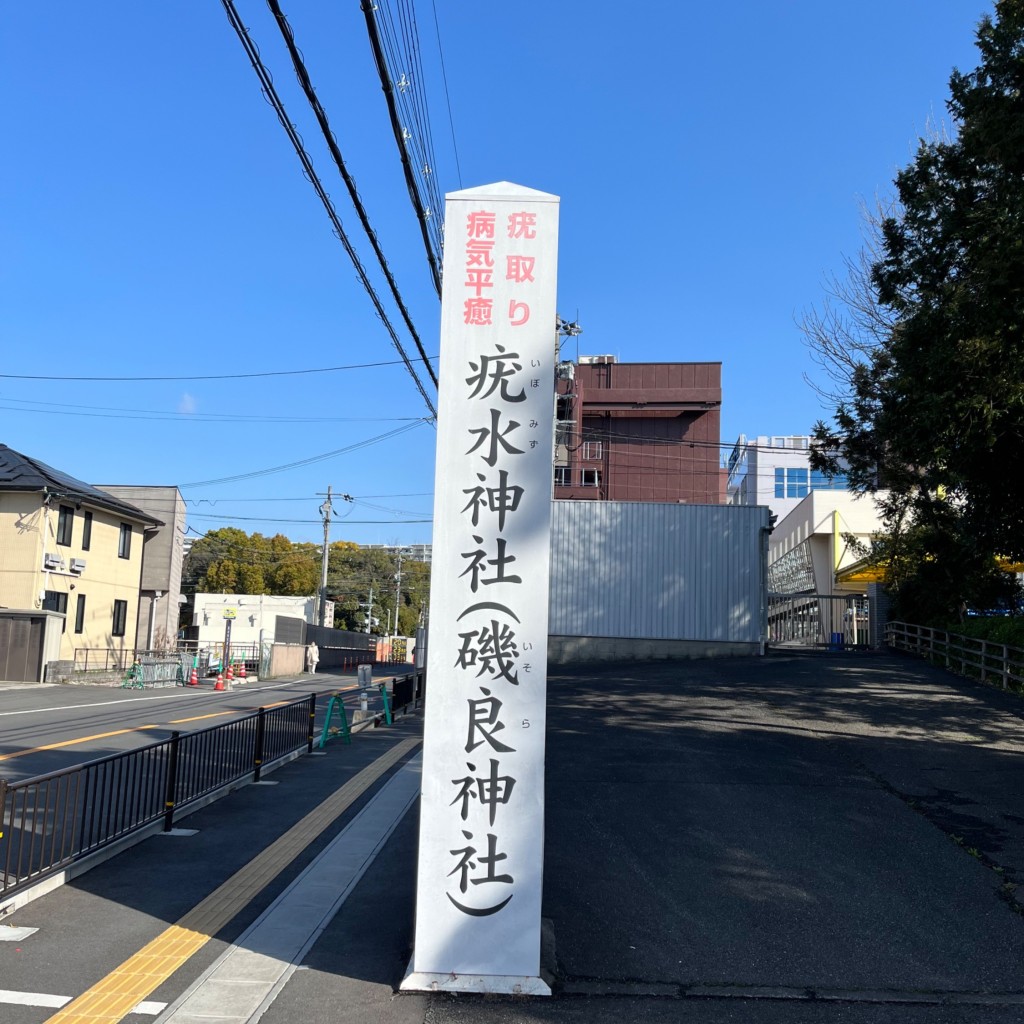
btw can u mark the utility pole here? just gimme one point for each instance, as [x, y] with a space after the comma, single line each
[398, 591]
[369, 610]
[325, 511]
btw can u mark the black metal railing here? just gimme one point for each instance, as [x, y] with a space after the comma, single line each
[51, 821]
[408, 691]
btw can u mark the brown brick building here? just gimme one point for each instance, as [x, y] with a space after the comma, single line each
[638, 431]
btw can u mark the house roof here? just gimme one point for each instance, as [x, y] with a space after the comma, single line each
[18, 472]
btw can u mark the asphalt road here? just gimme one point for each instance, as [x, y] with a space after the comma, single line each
[786, 840]
[47, 728]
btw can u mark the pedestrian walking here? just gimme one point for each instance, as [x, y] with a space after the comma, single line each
[312, 656]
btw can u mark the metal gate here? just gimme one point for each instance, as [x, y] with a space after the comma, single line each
[831, 621]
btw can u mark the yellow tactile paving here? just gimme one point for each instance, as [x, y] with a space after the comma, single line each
[120, 991]
[113, 997]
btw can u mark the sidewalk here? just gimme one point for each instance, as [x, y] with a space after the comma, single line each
[789, 839]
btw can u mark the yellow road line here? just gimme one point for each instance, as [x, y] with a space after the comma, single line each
[122, 732]
[218, 714]
[199, 718]
[71, 743]
[113, 997]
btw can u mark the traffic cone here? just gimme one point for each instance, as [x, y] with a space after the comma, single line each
[220, 682]
[241, 672]
[193, 680]
[231, 675]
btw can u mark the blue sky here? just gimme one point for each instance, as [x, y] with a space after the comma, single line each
[711, 159]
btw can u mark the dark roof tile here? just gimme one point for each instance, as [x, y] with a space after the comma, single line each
[20, 473]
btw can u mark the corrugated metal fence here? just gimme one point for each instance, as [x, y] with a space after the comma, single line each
[658, 571]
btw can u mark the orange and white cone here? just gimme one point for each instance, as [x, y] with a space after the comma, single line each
[220, 682]
[193, 680]
[241, 672]
[230, 676]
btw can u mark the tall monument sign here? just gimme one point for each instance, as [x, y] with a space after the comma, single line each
[481, 846]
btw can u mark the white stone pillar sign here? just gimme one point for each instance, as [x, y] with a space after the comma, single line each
[481, 850]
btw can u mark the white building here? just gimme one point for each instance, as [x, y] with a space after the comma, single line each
[775, 471]
[253, 616]
[415, 552]
[810, 549]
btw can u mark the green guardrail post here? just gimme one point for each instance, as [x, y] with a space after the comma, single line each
[335, 707]
[387, 703]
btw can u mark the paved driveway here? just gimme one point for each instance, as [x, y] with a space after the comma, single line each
[834, 824]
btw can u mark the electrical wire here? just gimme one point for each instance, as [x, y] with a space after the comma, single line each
[318, 522]
[306, 462]
[298, 63]
[592, 433]
[401, 49]
[270, 93]
[109, 412]
[447, 96]
[386, 81]
[224, 375]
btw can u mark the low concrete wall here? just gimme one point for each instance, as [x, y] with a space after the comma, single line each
[568, 650]
[64, 672]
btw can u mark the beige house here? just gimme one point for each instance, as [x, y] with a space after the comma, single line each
[70, 548]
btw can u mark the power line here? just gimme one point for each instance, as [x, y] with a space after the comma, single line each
[169, 507]
[600, 433]
[447, 97]
[317, 522]
[274, 100]
[332, 144]
[368, 9]
[112, 413]
[305, 462]
[226, 375]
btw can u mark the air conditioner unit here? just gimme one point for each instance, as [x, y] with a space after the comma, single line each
[77, 564]
[51, 561]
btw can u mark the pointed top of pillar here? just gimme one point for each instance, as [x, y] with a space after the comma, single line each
[503, 190]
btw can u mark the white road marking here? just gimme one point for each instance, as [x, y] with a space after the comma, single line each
[11, 933]
[32, 999]
[128, 700]
[56, 1002]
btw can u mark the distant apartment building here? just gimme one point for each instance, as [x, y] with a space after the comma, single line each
[416, 552]
[638, 431]
[774, 470]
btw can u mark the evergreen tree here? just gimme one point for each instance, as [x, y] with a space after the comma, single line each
[935, 413]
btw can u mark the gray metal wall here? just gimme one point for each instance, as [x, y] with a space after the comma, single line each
[658, 571]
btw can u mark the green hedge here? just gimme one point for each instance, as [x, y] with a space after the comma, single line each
[999, 629]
